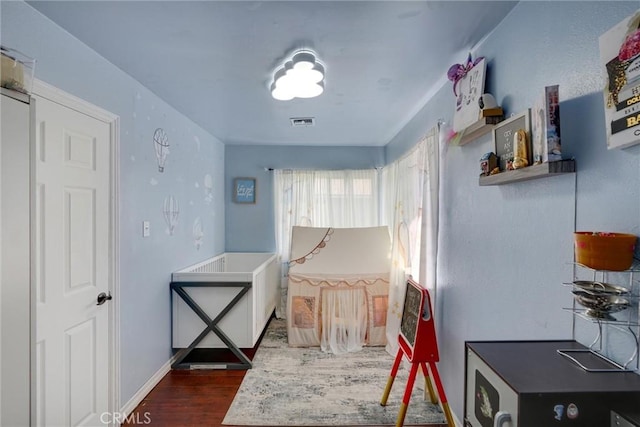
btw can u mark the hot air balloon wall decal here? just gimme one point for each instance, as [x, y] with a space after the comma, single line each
[161, 145]
[198, 233]
[208, 188]
[171, 212]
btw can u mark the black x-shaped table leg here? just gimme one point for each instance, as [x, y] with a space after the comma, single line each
[212, 325]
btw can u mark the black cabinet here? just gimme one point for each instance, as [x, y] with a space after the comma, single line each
[528, 384]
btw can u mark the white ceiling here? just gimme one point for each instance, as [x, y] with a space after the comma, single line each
[213, 60]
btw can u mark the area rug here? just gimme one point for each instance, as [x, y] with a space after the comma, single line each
[306, 387]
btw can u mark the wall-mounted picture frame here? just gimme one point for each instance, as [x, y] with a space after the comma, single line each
[620, 56]
[503, 138]
[244, 190]
[469, 89]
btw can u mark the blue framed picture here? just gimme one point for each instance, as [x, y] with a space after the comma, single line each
[244, 190]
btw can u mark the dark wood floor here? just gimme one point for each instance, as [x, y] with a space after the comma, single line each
[198, 398]
[189, 398]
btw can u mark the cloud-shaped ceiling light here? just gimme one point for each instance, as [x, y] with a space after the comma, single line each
[302, 76]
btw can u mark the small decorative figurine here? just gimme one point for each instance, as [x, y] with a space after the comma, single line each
[488, 162]
[520, 149]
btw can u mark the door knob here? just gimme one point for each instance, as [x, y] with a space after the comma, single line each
[102, 298]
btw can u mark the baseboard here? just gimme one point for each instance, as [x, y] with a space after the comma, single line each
[146, 388]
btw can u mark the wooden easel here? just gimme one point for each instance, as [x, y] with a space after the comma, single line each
[417, 341]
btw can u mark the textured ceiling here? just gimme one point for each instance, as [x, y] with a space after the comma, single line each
[213, 60]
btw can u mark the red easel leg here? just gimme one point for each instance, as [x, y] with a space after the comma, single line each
[407, 395]
[392, 377]
[443, 396]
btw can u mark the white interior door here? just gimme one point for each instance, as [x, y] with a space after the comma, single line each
[72, 266]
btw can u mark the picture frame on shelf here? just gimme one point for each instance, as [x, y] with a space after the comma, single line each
[545, 126]
[468, 88]
[504, 138]
[244, 190]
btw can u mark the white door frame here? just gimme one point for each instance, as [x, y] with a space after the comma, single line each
[56, 95]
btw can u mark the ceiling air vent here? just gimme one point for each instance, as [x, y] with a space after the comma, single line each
[302, 121]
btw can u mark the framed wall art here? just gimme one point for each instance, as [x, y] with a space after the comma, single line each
[504, 138]
[620, 56]
[244, 190]
[468, 87]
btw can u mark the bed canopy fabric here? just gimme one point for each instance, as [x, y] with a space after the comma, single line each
[338, 287]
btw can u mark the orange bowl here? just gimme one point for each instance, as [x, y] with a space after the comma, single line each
[604, 251]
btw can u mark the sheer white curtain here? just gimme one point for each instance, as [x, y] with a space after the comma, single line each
[347, 198]
[410, 188]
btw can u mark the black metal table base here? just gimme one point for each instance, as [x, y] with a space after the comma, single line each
[211, 326]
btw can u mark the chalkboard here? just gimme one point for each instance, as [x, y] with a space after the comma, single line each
[503, 135]
[411, 313]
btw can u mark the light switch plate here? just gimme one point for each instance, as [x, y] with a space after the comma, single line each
[146, 229]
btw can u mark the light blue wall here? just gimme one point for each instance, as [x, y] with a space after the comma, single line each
[250, 227]
[145, 263]
[504, 250]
